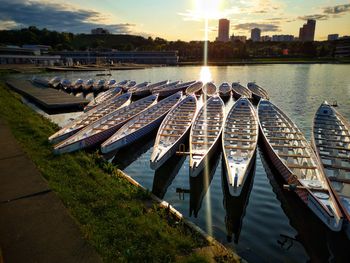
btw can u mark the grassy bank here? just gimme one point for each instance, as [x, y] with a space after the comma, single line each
[117, 218]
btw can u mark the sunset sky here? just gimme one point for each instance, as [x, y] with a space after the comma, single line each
[178, 19]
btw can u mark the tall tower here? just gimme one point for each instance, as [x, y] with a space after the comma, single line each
[224, 30]
[255, 34]
[307, 32]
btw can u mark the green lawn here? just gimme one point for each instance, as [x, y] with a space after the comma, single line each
[117, 218]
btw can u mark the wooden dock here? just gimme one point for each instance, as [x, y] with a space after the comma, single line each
[47, 98]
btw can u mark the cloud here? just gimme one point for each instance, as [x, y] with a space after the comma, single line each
[338, 9]
[264, 27]
[315, 17]
[22, 13]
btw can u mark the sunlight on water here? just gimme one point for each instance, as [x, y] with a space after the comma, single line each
[205, 74]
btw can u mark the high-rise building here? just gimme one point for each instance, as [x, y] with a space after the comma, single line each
[332, 37]
[255, 34]
[307, 31]
[242, 39]
[224, 30]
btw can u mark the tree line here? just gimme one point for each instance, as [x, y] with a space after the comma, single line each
[188, 51]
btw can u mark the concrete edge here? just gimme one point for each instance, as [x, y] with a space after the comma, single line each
[165, 205]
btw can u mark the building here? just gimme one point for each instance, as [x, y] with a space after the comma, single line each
[307, 31]
[255, 34]
[99, 31]
[265, 38]
[242, 39]
[332, 37]
[282, 38]
[20, 55]
[140, 57]
[342, 48]
[224, 30]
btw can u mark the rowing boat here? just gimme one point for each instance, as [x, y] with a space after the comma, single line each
[205, 133]
[167, 91]
[54, 82]
[99, 85]
[239, 142]
[138, 86]
[104, 127]
[77, 85]
[331, 140]
[141, 125]
[90, 117]
[171, 84]
[209, 89]
[238, 91]
[129, 85]
[102, 97]
[225, 90]
[40, 81]
[146, 90]
[195, 88]
[88, 85]
[258, 92]
[173, 130]
[297, 163]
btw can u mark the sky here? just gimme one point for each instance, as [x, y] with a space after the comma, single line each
[178, 19]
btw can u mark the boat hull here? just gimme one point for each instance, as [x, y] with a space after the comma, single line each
[303, 194]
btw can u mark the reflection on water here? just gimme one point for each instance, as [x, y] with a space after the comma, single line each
[199, 185]
[235, 206]
[270, 225]
[320, 243]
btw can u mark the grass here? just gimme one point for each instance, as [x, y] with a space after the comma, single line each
[117, 218]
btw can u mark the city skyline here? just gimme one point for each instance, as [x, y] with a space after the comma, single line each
[180, 19]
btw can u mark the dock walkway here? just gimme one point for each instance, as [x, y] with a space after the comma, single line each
[47, 98]
[34, 224]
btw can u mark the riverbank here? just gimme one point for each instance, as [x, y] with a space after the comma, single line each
[118, 219]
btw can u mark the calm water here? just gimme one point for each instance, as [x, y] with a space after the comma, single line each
[266, 224]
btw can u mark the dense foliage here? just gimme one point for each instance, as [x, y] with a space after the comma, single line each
[188, 51]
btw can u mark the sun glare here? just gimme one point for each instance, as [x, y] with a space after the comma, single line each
[208, 9]
[205, 75]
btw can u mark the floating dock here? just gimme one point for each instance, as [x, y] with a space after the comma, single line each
[47, 98]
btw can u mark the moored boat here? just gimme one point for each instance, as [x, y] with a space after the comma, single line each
[99, 85]
[40, 81]
[239, 142]
[102, 97]
[165, 86]
[129, 85]
[90, 117]
[173, 131]
[195, 88]
[146, 90]
[258, 92]
[138, 86]
[209, 89]
[167, 91]
[87, 86]
[238, 91]
[298, 164]
[77, 85]
[205, 133]
[104, 127]
[141, 125]
[54, 82]
[225, 90]
[331, 140]
[66, 85]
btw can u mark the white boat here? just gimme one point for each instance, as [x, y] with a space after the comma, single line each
[77, 85]
[205, 133]
[141, 125]
[331, 140]
[173, 131]
[240, 91]
[65, 84]
[239, 142]
[298, 164]
[129, 85]
[225, 90]
[258, 92]
[146, 90]
[102, 97]
[195, 88]
[103, 128]
[171, 84]
[138, 86]
[88, 85]
[54, 82]
[167, 91]
[90, 117]
[99, 85]
[110, 84]
[209, 89]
